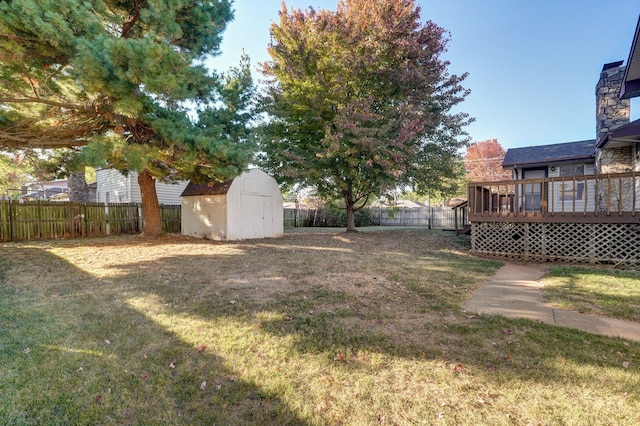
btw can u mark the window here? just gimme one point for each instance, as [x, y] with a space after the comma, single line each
[572, 190]
[572, 170]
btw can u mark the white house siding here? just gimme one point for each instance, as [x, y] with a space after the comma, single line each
[555, 201]
[113, 185]
[125, 189]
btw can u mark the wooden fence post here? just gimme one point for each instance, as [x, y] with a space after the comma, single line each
[85, 215]
[107, 225]
[11, 221]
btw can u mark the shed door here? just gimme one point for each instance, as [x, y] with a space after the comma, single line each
[257, 216]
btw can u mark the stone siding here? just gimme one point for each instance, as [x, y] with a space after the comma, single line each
[611, 112]
[615, 160]
[618, 195]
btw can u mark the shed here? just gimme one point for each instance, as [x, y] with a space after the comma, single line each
[247, 207]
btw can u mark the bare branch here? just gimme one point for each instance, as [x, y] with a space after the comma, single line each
[135, 17]
[38, 100]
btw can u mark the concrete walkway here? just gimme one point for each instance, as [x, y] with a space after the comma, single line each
[516, 292]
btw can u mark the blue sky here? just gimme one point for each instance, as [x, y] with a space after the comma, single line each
[533, 65]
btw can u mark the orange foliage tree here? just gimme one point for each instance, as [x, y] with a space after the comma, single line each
[483, 161]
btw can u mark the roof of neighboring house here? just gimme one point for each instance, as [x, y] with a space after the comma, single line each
[217, 188]
[628, 132]
[631, 81]
[580, 151]
[45, 194]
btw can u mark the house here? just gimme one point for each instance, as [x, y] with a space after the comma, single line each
[556, 160]
[55, 190]
[115, 187]
[575, 201]
[247, 207]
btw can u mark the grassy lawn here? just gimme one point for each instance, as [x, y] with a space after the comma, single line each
[607, 292]
[322, 328]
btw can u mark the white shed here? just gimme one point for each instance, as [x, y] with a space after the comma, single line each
[114, 187]
[247, 207]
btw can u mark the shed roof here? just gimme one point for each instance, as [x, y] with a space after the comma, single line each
[582, 151]
[215, 188]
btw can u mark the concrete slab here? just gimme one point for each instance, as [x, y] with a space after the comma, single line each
[515, 291]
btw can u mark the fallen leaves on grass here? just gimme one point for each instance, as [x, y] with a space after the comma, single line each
[203, 385]
[201, 348]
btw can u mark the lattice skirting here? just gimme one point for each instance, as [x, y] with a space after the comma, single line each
[610, 243]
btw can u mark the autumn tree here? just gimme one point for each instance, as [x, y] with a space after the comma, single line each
[483, 161]
[359, 101]
[120, 78]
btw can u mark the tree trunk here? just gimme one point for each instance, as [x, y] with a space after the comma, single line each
[152, 224]
[351, 219]
[77, 186]
[350, 203]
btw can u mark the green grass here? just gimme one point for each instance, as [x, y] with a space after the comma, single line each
[324, 328]
[608, 292]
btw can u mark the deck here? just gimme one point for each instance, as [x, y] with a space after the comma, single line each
[583, 219]
[610, 198]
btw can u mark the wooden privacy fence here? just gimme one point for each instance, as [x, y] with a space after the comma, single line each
[49, 220]
[439, 217]
[436, 217]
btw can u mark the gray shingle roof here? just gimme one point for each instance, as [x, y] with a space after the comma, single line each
[582, 151]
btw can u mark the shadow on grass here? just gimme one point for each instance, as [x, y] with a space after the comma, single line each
[106, 334]
[72, 351]
[613, 293]
[329, 322]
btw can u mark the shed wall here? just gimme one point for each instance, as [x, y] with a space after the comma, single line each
[255, 207]
[205, 217]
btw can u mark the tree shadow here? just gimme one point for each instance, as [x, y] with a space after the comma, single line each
[269, 295]
[319, 320]
[74, 350]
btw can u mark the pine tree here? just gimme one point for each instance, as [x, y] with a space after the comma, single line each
[118, 77]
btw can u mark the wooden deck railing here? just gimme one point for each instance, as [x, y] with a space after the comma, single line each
[611, 198]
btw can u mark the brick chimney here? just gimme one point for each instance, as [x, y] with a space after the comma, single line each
[611, 112]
